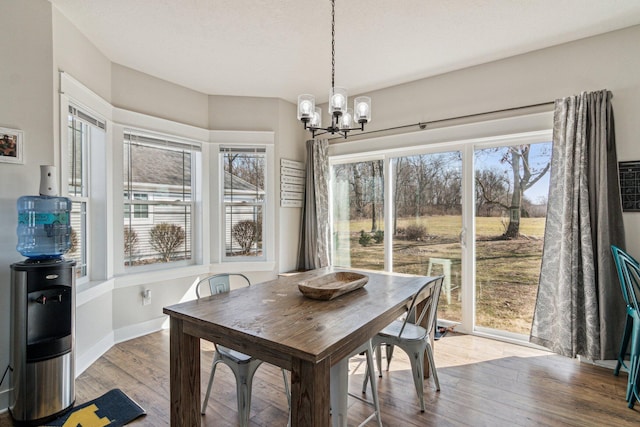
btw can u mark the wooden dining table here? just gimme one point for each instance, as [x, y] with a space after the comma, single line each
[274, 322]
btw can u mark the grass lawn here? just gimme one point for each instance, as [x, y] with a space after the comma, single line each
[507, 271]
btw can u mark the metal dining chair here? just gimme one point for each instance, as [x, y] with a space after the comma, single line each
[630, 278]
[414, 339]
[242, 365]
[367, 350]
[623, 261]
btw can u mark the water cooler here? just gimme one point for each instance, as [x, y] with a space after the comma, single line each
[42, 308]
[42, 336]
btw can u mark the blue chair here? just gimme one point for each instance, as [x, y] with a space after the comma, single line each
[242, 365]
[629, 274]
[623, 261]
[412, 338]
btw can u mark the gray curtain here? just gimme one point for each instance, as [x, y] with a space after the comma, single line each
[579, 309]
[314, 233]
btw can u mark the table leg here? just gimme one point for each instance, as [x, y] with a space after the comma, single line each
[184, 374]
[339, 393]
[310, 385]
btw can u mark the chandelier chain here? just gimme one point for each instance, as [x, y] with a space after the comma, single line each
[333, 43]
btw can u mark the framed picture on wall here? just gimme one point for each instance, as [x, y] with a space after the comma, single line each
[11, 141]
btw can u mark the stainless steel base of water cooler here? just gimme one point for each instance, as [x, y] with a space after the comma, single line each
[44, 391]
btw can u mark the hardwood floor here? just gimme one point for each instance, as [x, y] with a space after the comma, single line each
[483, 383]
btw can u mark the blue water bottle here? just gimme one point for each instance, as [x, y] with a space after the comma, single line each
[44, 226]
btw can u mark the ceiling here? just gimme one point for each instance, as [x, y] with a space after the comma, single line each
[281, 48]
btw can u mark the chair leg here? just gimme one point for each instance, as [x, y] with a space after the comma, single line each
[369, 371]
[432, 364]
[374, 388]
[389, 349]
[216, 359]
[417, 360]
[633, 362]
[244, 379]
[628, 326]
[379, 359]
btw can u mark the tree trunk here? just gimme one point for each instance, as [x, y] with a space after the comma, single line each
[513, 229]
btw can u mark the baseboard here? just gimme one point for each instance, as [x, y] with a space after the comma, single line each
[4, 400]
[139, 329]
[86, 359]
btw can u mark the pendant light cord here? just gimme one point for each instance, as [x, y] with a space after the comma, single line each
[333, 43]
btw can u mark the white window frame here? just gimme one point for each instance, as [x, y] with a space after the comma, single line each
[242, 139]
[93, 173]
[224, 204]
[194, 203]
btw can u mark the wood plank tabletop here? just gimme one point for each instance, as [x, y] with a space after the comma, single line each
[275, 319]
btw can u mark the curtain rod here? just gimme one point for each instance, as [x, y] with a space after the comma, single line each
[423, 125]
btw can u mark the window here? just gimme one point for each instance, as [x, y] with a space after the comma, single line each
[358, 214]
[160, 195]
[243, 202]
[470, 208]
[82, 129]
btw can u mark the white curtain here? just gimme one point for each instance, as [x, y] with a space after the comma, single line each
[314, 234]
[579, 309]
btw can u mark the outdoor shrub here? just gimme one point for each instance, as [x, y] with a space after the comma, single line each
[130, 239]
[365, 238]
[166, 238]
[378, 237]
[245, 233]
[73, 240]
[416, 232]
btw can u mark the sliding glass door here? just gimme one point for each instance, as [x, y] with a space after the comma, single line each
[427, 221]
[358, 214]
[473, 211]
[511, 188]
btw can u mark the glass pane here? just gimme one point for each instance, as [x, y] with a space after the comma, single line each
[243, 230]
[78, 250]
[244, 177]
[77, 144]
[164, 171]
[165, 236]
[427, 222]
[358, 214]
[512, 185]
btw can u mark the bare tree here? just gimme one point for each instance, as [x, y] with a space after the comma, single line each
[245, 233]
[166, 238]
[524, 176]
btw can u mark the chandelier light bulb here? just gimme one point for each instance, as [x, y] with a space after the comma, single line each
[316, 119]
[305, 108]
[345, 119]
[338, 101]
[362, 107]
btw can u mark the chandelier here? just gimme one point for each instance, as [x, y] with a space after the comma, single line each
[343, 119]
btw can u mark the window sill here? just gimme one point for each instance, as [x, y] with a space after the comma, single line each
[243, 266]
